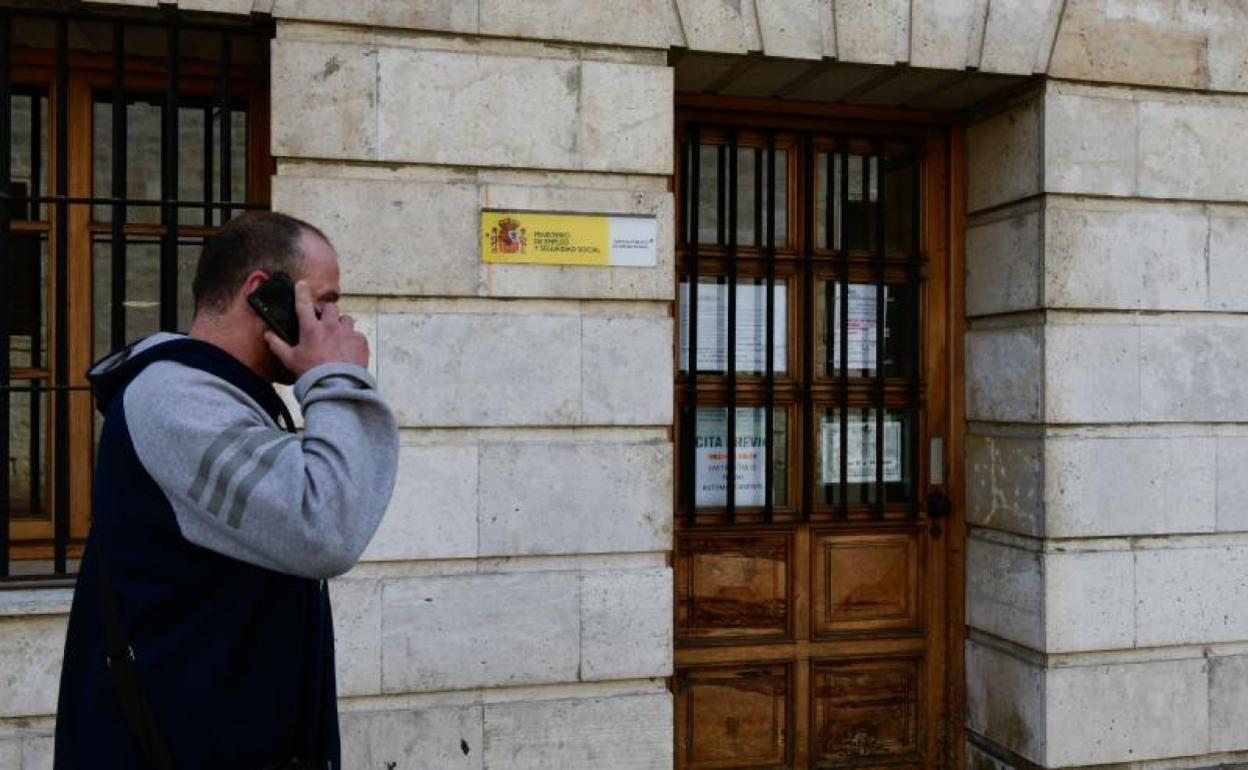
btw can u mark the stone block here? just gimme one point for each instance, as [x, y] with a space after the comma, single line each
[1004, 156]
[1232, 483]
[1092, 372]
[1228, 259]
[1228, 702]
[873, 33]
[978, 758]
[1005, 592]
[447, 737]
[640, 23]
[1018, 35]
[444, 107]
[1189, 148]
[37, 752]
[502, 280]
[941, 32]
[1126, 712]
[1005, 483]
[357, 635]
[626, 732]
[626, 114]
[1191, 595]
[713, 25]
[443, 633]
[1089, 601]
[1004, 261]
[433, 513]
[431, 15]
[324, 100]
[1090, 141]
[1004, 374]
[31, 648]
[462, 369]
[234, 7]
[548, 498]
[626, 625]
[627, 370]
[1149, 42]
[1005, 700]
[394, 237]
[1132, 256]
[792, 29]
[10, 755]
[1101, 487]
[1227, 47]
[1193, 373]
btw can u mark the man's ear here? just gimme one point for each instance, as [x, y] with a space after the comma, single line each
[253, 281]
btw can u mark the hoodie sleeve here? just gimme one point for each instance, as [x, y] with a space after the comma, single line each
[303, 504]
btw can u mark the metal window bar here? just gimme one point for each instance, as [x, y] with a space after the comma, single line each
[769, 376]
[117, 323]
[169, 185]
[208, 150]
[875, 169]
[59, 201]
[808, 336]
[36, 304]
[6, 284]
[914, 262]
[109, 200]
[61, 451]
[731, 374]
[225, 134]
[692, 237]
[843, 340]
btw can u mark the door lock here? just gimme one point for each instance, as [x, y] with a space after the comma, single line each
[939, 506]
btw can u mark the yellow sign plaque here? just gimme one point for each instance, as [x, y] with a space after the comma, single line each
[554, 238]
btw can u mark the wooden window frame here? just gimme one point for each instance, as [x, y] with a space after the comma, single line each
[32, 537]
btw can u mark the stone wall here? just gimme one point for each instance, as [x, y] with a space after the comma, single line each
[1106, 355]
[517, 600]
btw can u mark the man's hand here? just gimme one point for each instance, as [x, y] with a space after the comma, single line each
[328, 339]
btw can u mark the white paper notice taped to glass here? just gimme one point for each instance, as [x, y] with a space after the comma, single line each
[711, 458]
[862, 326]
[751, 327]
[860, 459]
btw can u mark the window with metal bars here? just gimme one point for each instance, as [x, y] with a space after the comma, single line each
[799, 394]
[130, 139]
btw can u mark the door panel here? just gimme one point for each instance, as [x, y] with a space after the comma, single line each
[867, 710]
[734, 587]
[867, 582]
[734, 716]
[811, 584]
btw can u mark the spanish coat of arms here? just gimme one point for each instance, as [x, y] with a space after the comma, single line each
[507, 237]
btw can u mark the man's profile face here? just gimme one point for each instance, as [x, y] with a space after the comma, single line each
[320, 270]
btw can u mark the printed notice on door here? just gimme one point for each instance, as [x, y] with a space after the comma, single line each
[861, 325]
[552, 238]
[711, 458]
[751, 327]
[860, 459]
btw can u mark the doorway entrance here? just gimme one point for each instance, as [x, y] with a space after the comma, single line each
[817, 566]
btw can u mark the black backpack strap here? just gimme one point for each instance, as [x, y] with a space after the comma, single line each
[134, 706]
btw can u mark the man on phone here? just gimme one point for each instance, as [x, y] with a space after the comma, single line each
[200, 634]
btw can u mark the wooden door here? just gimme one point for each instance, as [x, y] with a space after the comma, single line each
[813, 604]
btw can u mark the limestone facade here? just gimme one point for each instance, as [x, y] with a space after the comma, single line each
[515, 610]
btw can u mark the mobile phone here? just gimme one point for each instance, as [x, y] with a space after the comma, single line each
[274, 301]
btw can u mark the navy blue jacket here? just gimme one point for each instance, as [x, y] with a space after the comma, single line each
[237, 660]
